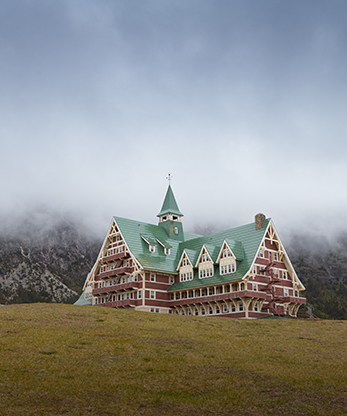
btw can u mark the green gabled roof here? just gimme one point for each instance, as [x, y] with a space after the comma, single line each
[244, 242]
[82, 301]
[149, 240]
[134, 233]
[170, 204]
[236, 247]
[247, 241]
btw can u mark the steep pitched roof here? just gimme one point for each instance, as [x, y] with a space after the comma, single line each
[244, 242]
[136, 233]
[169, 204]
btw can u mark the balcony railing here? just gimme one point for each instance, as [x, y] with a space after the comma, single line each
[117, 288]
[219, 297]
[114, 272]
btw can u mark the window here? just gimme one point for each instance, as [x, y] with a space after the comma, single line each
[167, 250]
[261, 253]
[217, 309]
[174, 218]
[225, 308]
[285, 292]
[196, 311]
[139, 294]
[152, 309]
[210, 310]
[152, 294]
[284, 274]
[203, 311]
[172, 279]
[172, 296]
[164, 218]
[255, 288]
[240, 306]
[152, 248]
[233, 308]
[177, 295]
[157, 310]
[152, 277]
[275, 256]
[256, 307]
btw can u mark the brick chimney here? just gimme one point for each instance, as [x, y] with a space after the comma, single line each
[259, 221]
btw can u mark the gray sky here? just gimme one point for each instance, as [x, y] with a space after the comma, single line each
[243, 102]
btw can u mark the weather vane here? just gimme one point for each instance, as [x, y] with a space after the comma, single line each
[169, 177]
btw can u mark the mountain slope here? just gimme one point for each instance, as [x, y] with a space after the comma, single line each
[47, 265]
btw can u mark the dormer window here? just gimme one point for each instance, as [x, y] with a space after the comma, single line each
[186, 269]
[227, 261]
[206, 268]
[164, 218]
[174, 218]
[166, 250]
[152, 248]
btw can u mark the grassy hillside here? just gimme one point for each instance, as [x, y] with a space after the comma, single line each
[63, 359]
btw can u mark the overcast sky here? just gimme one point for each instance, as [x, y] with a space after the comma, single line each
[243, 102]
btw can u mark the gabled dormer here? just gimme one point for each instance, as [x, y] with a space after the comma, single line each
[170, 216]
[185, 268]
[205, 264]
[226, 259]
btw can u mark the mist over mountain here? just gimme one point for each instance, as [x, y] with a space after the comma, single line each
[46, 256]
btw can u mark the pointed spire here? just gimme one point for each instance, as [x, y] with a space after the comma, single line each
[170, 205]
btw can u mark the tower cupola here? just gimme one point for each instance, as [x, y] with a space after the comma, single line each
[169, 211]
[170, 216]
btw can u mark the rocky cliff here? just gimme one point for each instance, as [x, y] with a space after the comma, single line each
[45, 264]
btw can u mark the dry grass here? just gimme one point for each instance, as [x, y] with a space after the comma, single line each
[64, 359]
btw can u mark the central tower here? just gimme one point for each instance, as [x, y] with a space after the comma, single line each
[170, 216]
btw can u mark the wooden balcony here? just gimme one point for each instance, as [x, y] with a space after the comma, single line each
[219, 297]
[114, 272]
[293, 299]
[121, 287]
[117, 256]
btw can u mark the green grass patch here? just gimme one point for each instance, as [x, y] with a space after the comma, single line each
[64, 359]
